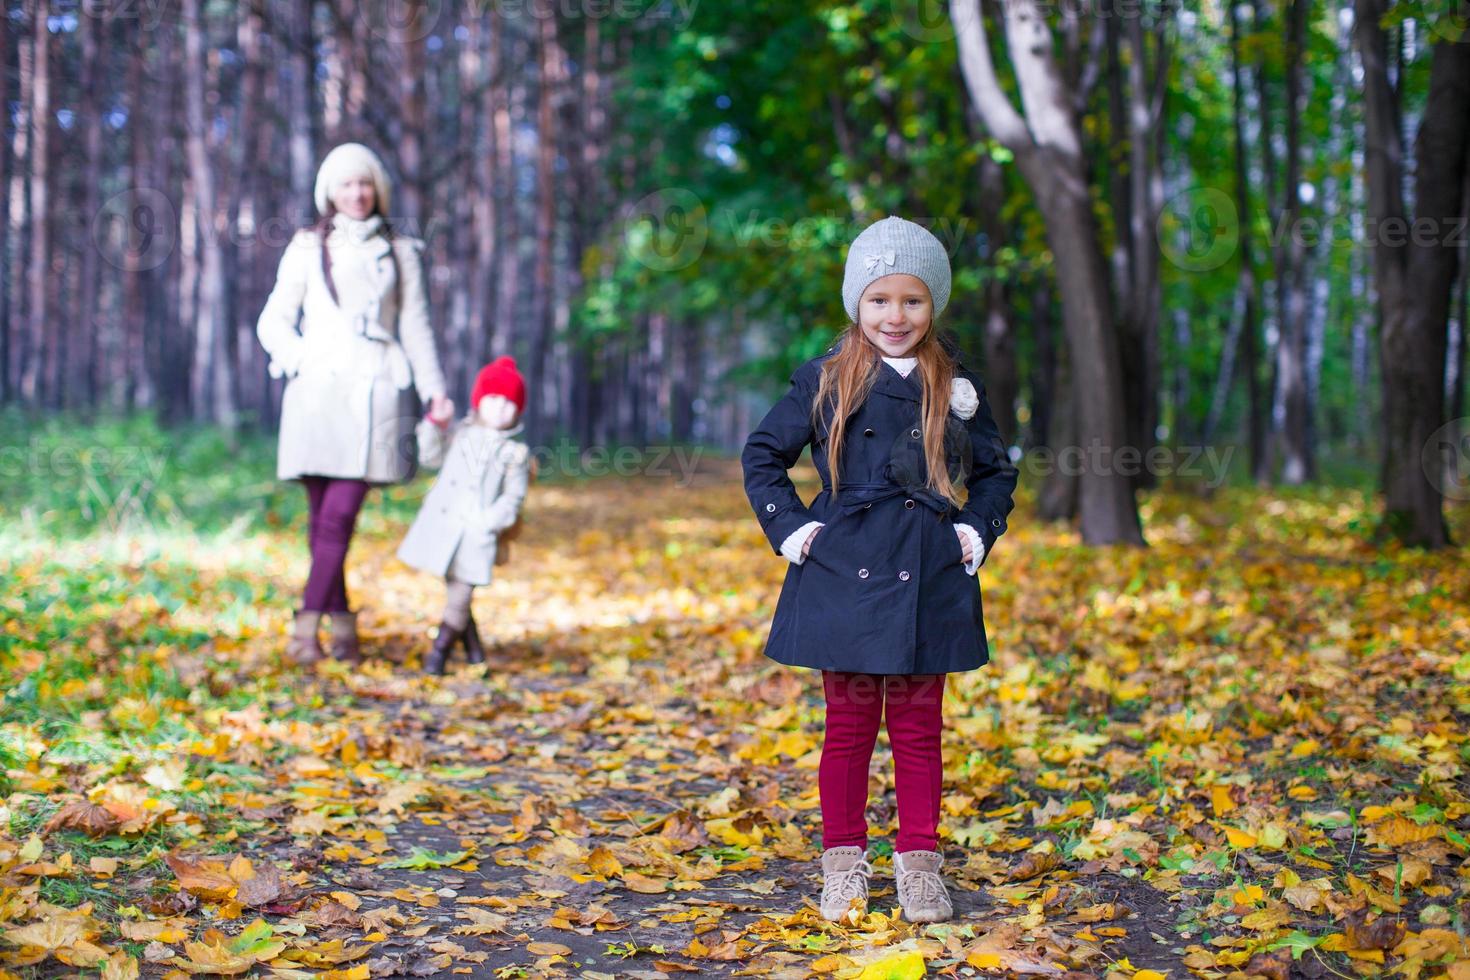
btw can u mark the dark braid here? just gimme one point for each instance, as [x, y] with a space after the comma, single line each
[323, 228]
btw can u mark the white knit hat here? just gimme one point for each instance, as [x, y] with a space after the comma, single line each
[352, 160]
[889, 247]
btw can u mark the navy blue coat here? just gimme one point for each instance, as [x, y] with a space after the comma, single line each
[883, 589]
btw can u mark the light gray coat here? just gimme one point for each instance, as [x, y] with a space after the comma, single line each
[349, 408]
[483, 477]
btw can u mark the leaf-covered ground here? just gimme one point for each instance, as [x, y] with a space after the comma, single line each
[1239, 752]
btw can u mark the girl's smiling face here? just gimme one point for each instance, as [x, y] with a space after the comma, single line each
[355, 197]
[895, 313]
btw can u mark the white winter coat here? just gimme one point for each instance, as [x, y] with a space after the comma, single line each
[482, 482]
[349, 408]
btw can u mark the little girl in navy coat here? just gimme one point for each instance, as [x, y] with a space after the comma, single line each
[881, 593]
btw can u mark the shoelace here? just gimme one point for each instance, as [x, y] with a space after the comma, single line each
[924, 887]
[852, 883]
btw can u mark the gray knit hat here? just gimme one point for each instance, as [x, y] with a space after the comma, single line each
[895, 245]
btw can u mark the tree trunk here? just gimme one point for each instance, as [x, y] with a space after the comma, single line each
[210, 387]
[300, 86]
[1291, 437]
[1414, 273]
[247, 154]
[1261, 471]
[40, 364]
[7, 338]
[408, 204]
[551, 66]
[487, 186]
[1147, 86]
[1048, 148]
[86, 385]
[1056, 499]
[1249, 330]
[1001, 371]
[509, 113]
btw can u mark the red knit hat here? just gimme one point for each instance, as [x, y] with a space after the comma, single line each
[500, 377]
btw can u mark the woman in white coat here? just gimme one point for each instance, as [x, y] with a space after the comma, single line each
[361, 357]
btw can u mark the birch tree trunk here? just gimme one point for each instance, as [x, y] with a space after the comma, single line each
[1048, 148]
[40, 363]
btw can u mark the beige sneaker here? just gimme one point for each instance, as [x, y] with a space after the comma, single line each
[845, 872]
[921, 890]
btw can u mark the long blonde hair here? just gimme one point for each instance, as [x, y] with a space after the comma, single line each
[847, 380]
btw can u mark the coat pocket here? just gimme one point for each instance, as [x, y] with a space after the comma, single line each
[957, 547]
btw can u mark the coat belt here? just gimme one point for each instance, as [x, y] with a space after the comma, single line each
[856, 496]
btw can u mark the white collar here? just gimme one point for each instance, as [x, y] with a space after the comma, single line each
[903, 365]
[357, 229]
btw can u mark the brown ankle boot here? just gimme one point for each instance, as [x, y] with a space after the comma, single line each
[344, 638]
[303, 647]
[438, 659]
[474, 650]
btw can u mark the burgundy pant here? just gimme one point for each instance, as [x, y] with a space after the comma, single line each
[855, 705]
[334, 507]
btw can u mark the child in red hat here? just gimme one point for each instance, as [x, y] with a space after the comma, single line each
[484, 473]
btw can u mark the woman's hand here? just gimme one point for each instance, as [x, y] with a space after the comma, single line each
[441, 410]
[806, 545]
[965, 548]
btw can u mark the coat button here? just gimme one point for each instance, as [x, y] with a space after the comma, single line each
[867, 506]
[908, 504]
[867, 432]
[903, 576]
[862, 573]
[915, 433]
[770, 508]
[994, 522]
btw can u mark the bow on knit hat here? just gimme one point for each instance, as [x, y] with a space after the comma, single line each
[352, 160]
[499, 377]
[889, 247]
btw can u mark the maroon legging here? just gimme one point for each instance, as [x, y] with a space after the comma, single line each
[855, 705]
[334, 506]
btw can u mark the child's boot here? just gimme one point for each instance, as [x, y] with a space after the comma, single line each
[845, 872]
[344, 638]
[921, 891]
[304, 648]
[474, 650]
[438, 659]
